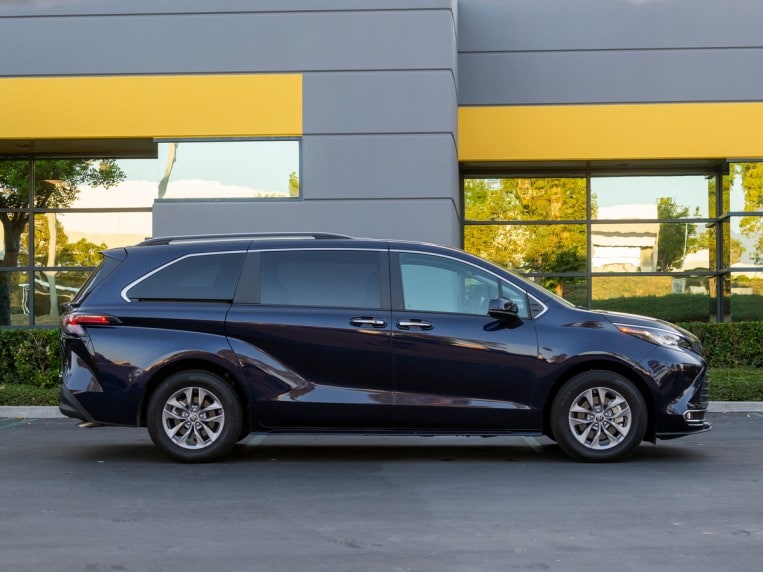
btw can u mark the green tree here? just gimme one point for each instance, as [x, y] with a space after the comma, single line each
[56, 183]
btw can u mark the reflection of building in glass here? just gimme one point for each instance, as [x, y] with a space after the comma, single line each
[625, 248]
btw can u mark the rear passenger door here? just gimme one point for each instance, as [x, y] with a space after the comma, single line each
[312, 328]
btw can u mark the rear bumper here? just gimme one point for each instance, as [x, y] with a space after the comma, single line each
[69, 406]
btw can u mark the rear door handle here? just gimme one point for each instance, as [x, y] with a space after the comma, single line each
[374, 322]
[408, 324]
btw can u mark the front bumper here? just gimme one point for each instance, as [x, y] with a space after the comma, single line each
[686, 413]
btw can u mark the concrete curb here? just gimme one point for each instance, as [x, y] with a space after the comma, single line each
[52, 412]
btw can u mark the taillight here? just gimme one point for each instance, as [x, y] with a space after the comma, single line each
[73, 323]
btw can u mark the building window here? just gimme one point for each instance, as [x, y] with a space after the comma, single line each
[58, 214]
[229, 170]
[683, 246]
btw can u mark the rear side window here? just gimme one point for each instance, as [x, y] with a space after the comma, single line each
[105, 268]
[200, 277]
[339, 279]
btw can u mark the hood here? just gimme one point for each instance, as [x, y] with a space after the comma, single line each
[634, 319]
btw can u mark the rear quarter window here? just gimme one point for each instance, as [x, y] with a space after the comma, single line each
[202, 277]
[102, 271]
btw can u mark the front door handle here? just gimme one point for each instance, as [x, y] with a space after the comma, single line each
[408, 324]
[374, 322]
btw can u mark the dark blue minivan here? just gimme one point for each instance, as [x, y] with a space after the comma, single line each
[205, 339]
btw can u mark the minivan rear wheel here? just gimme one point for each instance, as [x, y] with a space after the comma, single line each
[194, 417]
[598, 416]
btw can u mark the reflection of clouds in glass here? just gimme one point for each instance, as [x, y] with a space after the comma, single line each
[248, 164]
[128, 194]
[113, 229]
[201, 189]
[687, 190]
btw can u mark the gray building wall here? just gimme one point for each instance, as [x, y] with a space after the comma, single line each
[529, 52]
[379, 152]
[382, 81]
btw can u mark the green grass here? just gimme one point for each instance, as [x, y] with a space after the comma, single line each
[737, 384]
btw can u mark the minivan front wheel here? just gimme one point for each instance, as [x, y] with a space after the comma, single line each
[194, 416]
[598, 416]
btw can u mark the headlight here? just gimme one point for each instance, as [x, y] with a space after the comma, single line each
[656, 336]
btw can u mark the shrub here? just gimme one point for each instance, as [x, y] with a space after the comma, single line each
[29, 357]
[729, 345]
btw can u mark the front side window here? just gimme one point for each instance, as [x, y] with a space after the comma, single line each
[200, 277]
[438, 284]
[324, 278]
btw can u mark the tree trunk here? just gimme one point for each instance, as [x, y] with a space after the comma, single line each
[50, 275]
[12, 229]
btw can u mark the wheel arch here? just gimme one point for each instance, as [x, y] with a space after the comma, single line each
[603, 365]
[199, 364]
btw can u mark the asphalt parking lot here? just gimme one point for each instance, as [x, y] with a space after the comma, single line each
[105, 500]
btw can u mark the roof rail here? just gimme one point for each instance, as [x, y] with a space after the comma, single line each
[239, 236]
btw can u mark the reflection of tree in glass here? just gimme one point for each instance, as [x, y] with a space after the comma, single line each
[752, 226]
[529, 247]
[56, 184]
[293, 184]
[675, 240]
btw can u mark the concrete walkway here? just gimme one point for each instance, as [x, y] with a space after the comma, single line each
[52, 412]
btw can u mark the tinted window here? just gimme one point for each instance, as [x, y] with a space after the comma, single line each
[349, 279]
[438, 284]
[196, 277]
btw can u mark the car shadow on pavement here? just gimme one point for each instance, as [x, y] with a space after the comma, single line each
[309, 449]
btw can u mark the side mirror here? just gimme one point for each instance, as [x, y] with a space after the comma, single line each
[503, 308]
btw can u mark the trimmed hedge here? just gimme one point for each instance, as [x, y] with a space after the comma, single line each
[729, 345]
[30, 357]
[30, 362]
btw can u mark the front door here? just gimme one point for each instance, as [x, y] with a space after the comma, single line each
[455, 366]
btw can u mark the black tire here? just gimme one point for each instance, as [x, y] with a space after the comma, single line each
[194, 417]
[598, 416]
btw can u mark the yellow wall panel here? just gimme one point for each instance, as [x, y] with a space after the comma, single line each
[606, 132]
[151, 106]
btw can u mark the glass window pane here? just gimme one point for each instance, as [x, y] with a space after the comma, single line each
[114, 183]
[51, 289]
[525, 199]
[530, 247]
[649, 197]
[436, 284]
[14, 184]
[339, 279]
[746, 187]
[80, 237]
[671, 298]
[59, 182]
[196, 277]
[650, 247]
[747, 296]
[571, 288]
[14, 299]
[746, 240]
[229, 169]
